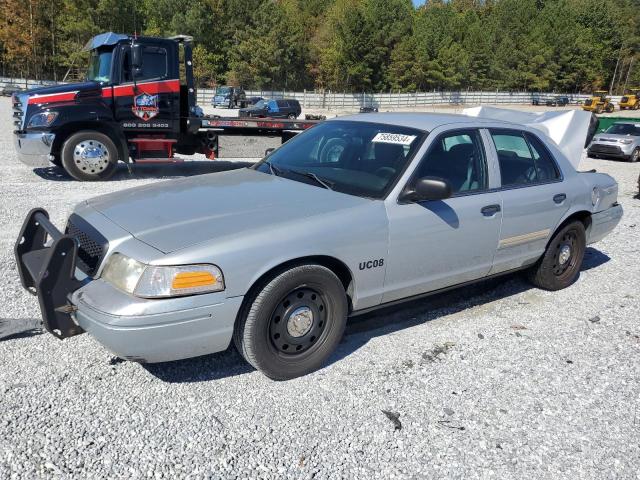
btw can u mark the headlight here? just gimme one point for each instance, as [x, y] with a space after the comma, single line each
[43, 119]
[153, 281]
[626, 141]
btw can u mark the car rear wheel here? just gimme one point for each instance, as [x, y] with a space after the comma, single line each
[292, 324]
[89, 156]
[560, 265]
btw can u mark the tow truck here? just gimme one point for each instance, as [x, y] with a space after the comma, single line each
[137, 105]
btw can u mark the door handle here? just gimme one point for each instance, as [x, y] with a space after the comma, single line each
[490, 210]
[559, 198]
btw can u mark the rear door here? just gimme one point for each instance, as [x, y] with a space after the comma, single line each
[152, 103]
[534, 197]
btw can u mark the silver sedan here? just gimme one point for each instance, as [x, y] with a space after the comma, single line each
[354, 214]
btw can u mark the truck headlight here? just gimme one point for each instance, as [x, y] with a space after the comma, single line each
[626, 141]
[158, 281]
[43, 119]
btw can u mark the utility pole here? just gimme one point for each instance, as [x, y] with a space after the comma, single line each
[615, 72]
[626, 80]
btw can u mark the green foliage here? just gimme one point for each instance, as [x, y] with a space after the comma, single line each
[351, 45]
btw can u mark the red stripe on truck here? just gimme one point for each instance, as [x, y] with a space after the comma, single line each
[152, 88]
[53, 97]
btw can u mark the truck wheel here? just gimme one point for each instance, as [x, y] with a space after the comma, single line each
[559, 266]
[598, 109]
[292, 324]
[635, 155]
[89, 156]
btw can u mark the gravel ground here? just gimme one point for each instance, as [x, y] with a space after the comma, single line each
[499, 380]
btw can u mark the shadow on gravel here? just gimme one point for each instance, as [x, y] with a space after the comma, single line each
[362, 328]
[169, 170]
[12, 328]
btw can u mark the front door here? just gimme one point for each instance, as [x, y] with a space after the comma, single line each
[435, 244]
[152, 103]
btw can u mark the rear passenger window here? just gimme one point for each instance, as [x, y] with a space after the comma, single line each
[546, 167]
[520, 162]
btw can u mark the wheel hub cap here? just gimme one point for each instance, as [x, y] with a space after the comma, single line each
[564, 255]
[300, 322]
[91, 156]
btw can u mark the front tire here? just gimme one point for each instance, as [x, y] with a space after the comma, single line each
[560, 265]
[89, 156]
[292, 324]
[635, 155]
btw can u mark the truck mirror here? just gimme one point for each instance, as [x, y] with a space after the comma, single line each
[136, 56]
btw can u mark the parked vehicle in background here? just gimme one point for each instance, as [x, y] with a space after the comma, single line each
[353, 214]
[536, 98]
[598, 103]
[631, 100]
[11, 88]
[285, 108]
[253, 100]
[621, 140]
[229, 97]
[368, 109]
[557, 101]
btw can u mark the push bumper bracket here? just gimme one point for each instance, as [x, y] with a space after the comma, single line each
[46, 260]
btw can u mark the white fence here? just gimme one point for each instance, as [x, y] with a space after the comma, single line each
[352, 101]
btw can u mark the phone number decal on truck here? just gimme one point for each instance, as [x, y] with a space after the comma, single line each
[144, 125]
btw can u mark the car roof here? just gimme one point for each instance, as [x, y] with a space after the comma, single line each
[422, 121]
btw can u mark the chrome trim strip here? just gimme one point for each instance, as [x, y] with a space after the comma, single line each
[526, 238]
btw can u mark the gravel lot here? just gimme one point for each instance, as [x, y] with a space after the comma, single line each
[499, 380]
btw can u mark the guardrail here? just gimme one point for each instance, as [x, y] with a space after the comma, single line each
[327, 100]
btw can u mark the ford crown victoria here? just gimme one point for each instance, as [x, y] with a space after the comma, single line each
[353, 214]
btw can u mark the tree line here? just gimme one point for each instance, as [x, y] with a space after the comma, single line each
[348, 45]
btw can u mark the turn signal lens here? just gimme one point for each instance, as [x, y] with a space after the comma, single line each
[160, 281]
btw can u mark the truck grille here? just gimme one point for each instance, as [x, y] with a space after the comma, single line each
[588, 102]
[19, 102]
[92, 246]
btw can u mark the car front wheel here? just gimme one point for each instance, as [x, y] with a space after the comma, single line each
[635, 155]
[560, 265]
[290, 326]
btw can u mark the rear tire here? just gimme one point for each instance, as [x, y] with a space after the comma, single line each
[560, 265]
[89, 156]
[293, 323]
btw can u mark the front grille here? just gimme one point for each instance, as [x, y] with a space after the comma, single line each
[624, 99]
[598, 148]
[92, 246]
[19, 102]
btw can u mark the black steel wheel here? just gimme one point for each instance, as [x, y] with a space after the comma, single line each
[291, 323]
[560, 265]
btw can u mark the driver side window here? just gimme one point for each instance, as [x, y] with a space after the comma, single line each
[457, 157]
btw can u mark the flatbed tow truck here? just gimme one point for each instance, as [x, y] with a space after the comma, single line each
[138, 105]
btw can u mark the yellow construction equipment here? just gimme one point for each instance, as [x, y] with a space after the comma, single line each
[598, 103]
[631, 99]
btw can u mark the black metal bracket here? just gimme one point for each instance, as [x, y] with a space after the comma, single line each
[48, 271]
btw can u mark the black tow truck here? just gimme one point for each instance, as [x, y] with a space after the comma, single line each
[138, 104]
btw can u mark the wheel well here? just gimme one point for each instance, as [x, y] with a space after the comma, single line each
[583, 216]
[70, 129]
[332, 263]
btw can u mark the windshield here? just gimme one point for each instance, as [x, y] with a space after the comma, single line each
[357, 158]
[100, 66]
[222, 90]
[624, 129]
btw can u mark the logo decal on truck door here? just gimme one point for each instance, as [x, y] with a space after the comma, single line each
[145, 106]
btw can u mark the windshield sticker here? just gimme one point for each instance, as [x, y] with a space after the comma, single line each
[396, 138]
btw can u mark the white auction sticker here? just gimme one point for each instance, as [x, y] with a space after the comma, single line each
[397, 138]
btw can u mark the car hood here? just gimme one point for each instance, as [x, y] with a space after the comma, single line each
[176, 214]
[611, 137]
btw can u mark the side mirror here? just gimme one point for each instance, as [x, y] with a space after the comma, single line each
[268, 151]
[427, 188]
[136, 56]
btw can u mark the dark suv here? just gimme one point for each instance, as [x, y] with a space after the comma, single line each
[286, 108]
